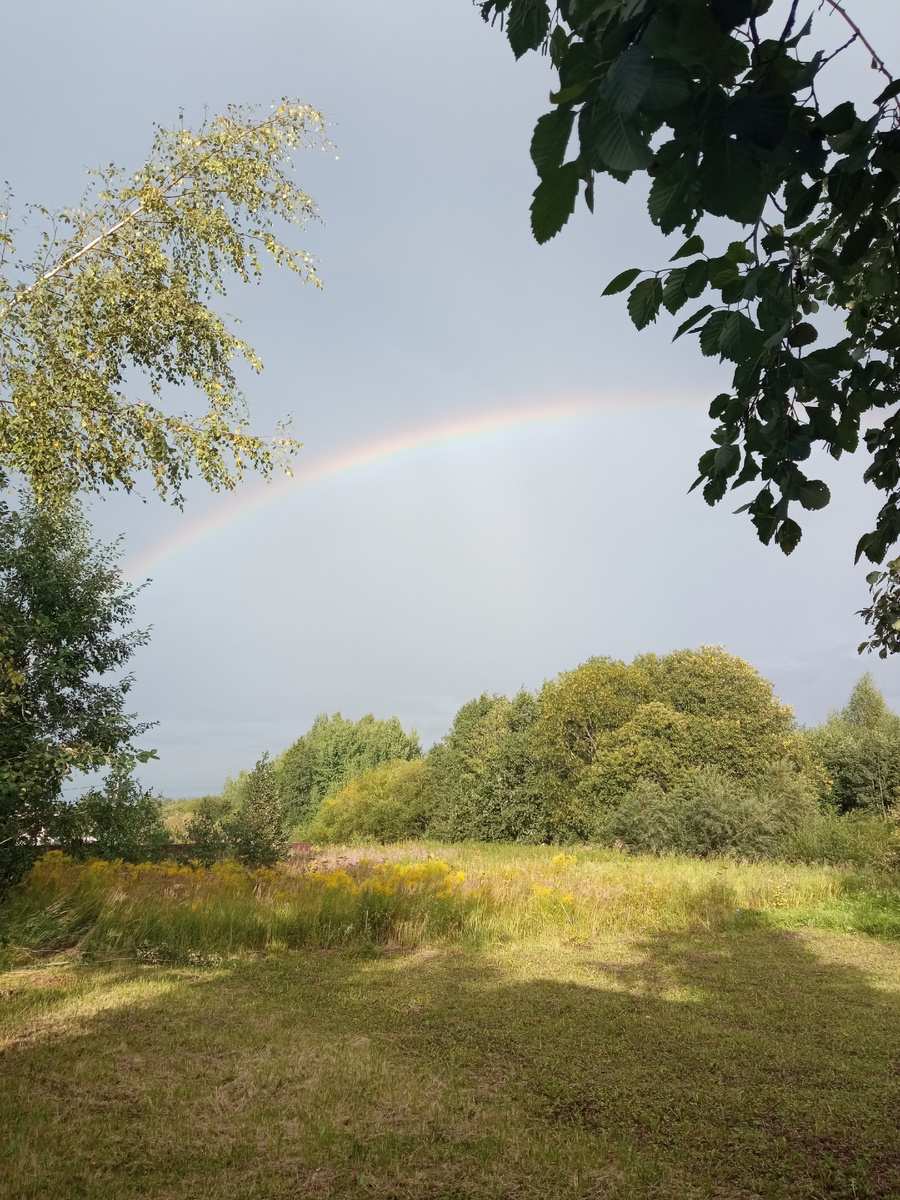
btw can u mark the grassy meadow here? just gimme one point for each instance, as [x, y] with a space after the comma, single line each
[451, 1021]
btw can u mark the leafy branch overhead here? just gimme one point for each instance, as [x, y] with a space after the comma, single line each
[117, 298]
[716, 100]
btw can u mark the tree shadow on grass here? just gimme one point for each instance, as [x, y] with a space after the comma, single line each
[750, 1062]
[753, 1059]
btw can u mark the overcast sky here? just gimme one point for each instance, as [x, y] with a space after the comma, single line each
[481, 563]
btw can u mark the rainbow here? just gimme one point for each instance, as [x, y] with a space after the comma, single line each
[457, 430]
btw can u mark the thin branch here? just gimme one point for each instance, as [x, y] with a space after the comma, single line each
[840, 50]
[789, 25]
[112, 231]
[173, 424]
[877, 60]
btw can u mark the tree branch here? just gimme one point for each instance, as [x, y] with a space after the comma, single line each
[877, 60]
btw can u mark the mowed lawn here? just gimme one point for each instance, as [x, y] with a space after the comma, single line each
[747, 1062]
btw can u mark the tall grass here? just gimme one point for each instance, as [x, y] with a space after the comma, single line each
[169, 912]
[534, 892]
[172, 912]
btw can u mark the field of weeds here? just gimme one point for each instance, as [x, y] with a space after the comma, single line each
[450, 1023]
[406, 897]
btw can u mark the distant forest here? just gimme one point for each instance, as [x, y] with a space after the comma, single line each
[685, 752]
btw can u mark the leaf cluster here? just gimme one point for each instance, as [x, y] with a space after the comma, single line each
[115, 307]
[65, 619]
[717, 103]
[334, 751]
[252, 831]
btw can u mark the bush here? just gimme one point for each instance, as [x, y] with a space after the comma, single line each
[863, 840]
[708, 815]
[205, 830]
[247, 823]
[119, 820]
[384, 804]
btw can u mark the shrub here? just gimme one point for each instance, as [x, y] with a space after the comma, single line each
[247, 823]
[205, 830]
[865, 840]
[708, 814]
[119, 820]
[384, 804]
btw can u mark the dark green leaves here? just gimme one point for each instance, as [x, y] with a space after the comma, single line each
[550, 138]
[726, 460]
[803, 334]
[805, 300]
[813, 494]
[554, 201]
[628, 80]
[729, 14]
[733, 181]
[758, 117]
[694, 245]
[644, 302]
[892, 90]
[788, 535]
[692, 321]
[621, 282]
[527, 26]
[669, 204]
[800, 201]
[617, 143]
[739, 340]
[669, 88]
[711, 334]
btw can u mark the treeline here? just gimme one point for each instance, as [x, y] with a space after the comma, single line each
[688, 752]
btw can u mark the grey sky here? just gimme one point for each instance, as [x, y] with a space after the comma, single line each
[412, 584]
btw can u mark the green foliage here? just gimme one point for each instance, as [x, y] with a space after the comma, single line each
[859, 749]
[114, 307]
[247, 822]
[255, 831]
[883, 614]
[334, 751]
[64, 612]
[205, 830]
[716, 103]
[860, 839]
[707, 814]
[607, 727]
[484, 779]
[119, 820]
[387, 803]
